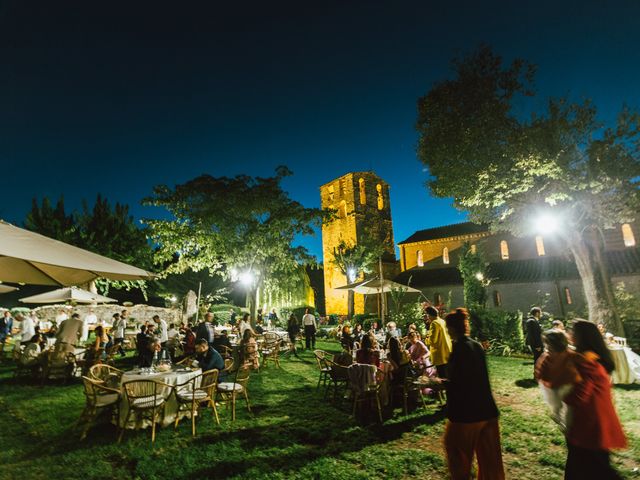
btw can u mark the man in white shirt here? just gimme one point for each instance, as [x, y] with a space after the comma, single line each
[119, 327]
[89, 319]
[162, 326]
[61, 317]
[310, 328]
[27, 328]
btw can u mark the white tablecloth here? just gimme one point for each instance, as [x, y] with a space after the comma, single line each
[172, 377]
[627, 365]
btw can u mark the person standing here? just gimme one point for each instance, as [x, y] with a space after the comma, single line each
[594, 429]
[27, 328]
[439, 341]
[205, 329]
[162, 327]
[119, 327]
[89, 319]
[6, 325]
[61, 317]
[310, 328]
[534, 334]
[68, 334]
[293, 329]
[472, 426]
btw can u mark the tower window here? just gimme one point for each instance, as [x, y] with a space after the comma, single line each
[473, 249]
[567, 295]
[332, 193]
[627, 235]
[342, 212]
[540, 246]
[445, 256]
[497, 299]
[363, 193]
[419, 258]
[504, 250]
[380, 199]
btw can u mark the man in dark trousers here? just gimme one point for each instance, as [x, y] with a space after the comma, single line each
[534, 334]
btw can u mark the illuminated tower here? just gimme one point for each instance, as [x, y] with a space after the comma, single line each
[361, 200]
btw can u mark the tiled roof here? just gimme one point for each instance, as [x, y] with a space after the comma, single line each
[446, 231]
[619, 262]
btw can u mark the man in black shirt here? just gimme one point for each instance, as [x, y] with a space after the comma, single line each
[471, 410]
[534, 334]
[208, 358]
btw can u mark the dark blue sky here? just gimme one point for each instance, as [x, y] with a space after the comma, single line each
[117, 100]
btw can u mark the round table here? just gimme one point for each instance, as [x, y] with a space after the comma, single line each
[175, 376]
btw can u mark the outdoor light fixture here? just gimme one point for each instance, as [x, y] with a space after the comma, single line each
[546, 223]
[479, 276]
[246, 278]
[352, 274]
[173, 299]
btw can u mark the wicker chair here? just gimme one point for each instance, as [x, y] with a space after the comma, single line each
[186, 361]
[270, 351]
[98, 397]
[193, 393]
[111, 354]
[325, 368]
[228, 367]
[58, 366]
[231, 390]
[110, 376]
[145, 396]
[371, 391]
[339, 376]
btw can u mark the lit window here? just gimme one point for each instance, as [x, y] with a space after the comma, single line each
[473, 249]
[445, 255]
[380, 199]
[497, 298]
[343, 209]
[504, 250]
[363, 193]
[331, 193]
[567, 295]
[540, 246]
[627, 236]
[419, 260]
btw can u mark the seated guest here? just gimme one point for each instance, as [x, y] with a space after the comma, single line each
[259, 327]
[147, 355]
[367, 352]
[222, 340]
[346, 340]
[393, 330]
[97, 351]
[357, 333]
[249, 350]
[208, 357]
[31, 355]
[418, 352]
[189, 342]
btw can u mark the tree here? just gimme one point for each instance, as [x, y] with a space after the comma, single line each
[52, 222]
[505, 169]
[242, 227]
[472, 269]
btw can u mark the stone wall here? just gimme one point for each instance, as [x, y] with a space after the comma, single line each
[138, 314]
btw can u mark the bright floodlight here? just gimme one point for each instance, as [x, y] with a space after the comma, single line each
[352, 274]
[246, 278]
[546, 223]
[479, 276]
[173, 299]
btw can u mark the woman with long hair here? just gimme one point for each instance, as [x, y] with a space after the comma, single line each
[249, 350]
[367, 352]
[594, 429]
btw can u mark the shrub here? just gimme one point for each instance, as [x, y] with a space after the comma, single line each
[501, 331]
[222, 312]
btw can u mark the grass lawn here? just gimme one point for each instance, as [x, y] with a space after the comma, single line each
[294, 434]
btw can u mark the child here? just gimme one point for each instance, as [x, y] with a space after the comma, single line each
[556, 371]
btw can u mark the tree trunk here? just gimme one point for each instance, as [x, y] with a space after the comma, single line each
[587, 253]
[252, 304]
[350, 303]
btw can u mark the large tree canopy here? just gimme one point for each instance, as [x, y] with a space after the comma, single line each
[241, 226]
[505, 167]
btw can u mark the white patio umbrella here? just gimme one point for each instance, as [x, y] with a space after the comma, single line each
[376, 285]
[28, 257]
[67, 294]
[7, 289]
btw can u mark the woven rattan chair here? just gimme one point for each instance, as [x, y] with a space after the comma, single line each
[186, 361]
[339, 376]
[58, 366]
[325, 368]
[195, 392]
[145, 397]
[98, 397]
[229, 391]
[371, 391]
[110, 376]
[270, 351]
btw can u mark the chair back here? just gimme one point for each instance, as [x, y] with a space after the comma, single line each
[135, 389]
[321, 356]
[209, 382]
[337, 372]
[242, 376]
[90, 390]
[105, 373]
[228, 363]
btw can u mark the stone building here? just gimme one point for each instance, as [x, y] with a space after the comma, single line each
[362, 207]
[523, 272]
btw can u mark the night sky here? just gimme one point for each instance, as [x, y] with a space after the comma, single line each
[96, 98]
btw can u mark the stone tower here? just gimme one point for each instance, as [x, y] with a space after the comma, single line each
[361, 200]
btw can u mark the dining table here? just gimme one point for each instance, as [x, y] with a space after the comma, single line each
[176, 375]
